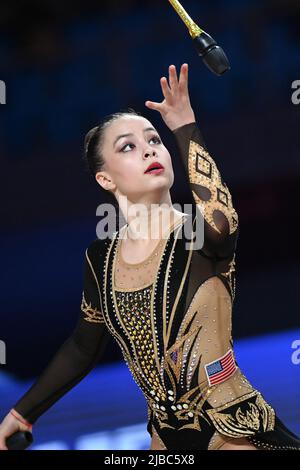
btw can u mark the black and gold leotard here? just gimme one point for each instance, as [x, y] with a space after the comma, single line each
[171, 317]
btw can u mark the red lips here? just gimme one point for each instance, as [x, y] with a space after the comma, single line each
[154, 165]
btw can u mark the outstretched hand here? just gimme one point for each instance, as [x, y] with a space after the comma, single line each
[175, 109]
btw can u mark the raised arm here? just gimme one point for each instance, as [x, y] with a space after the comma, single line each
[210, 193]
[75, 358]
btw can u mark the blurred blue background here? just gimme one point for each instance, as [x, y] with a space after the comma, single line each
[68, 64]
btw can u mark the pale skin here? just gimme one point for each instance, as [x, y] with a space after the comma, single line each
[9, 426]
[123, 175]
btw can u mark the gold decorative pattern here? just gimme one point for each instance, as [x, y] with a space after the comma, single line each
[230, 276]
[186, 409]
[203, 171]
[129, 360]
[134, 309]
[167, 328]
[177, 350]
[259, 416]
[95, 278]
[141, 324]
[260, 444]
[92, 314]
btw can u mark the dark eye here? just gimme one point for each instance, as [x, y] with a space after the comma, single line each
[155, 137]
[122, 149]
[158, 141]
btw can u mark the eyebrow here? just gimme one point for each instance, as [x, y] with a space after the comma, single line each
[127, 135]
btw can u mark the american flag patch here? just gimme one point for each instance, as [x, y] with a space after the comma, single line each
[220, 369]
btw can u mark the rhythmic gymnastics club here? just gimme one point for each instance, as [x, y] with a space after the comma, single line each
[212, 55]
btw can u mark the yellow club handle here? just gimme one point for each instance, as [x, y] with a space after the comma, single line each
[194, 29]
[212, 55]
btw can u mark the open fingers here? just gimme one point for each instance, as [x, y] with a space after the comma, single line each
[170, 89]
[153, 105]
[165, 88]
[183, 79]
[173, 77]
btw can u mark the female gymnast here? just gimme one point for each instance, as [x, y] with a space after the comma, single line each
[165, 299]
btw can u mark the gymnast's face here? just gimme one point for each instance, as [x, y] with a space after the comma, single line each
[130, 145]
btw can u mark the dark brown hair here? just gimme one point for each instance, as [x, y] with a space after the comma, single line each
[93, 141]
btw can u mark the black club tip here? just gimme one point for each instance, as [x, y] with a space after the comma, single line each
[212, 55]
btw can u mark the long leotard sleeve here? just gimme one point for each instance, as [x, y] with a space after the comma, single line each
[75, 358]
[210, 193]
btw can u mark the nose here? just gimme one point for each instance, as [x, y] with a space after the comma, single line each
[148, 154]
